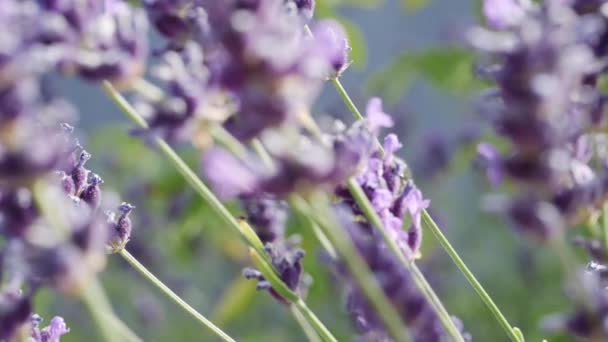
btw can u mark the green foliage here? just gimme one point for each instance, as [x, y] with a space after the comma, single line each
[447, 68]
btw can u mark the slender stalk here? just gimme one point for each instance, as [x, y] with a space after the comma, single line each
[190, 176]
[89, 299]
[314, 321]
[308, 330]
[167, 291]
[355, 263]
[431, 225]
[485, 297]
[419, 279]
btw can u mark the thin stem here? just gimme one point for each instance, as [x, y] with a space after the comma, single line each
[167, 291]
[485, 297]
[185, 170]
[197, 184]
[90, 300]
[431, 225]
[314, 321]
[308, 330]
[259, 149]
[351, 106]
[228, 141]
[419, 279]
[355, 263]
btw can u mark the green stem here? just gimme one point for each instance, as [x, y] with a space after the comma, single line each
[308, 330]
[430, 224]
[190, 176]
[419, 279]
[102, 320]
[351, 106]
[281, 288]
[167, 291]
[314, 321]
[355, 263]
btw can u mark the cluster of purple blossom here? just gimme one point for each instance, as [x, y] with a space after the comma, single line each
[252, 67]
[549, 107]
[39, 157]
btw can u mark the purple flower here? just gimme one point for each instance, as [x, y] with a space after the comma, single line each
[502, 14]
[382, 178]
[491, 159]
[52, 333]
[120, 228]
[375, 117]
[546, 101]
[415, 312]
[267, 215]
[287, 260]
[15, 311]
[331, 39]
[227, 175]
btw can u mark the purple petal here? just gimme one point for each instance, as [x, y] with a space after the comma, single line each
[502, 14]
[391, 145]
[492, 160]
[382, 199]
[55, 330]
[228, 176]
[376, 118]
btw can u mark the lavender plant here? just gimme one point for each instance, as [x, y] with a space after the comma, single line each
[237, 81]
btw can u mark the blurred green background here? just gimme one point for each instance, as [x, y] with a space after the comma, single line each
[408, 52]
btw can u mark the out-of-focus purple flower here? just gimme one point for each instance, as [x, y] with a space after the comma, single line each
[108, 39]
[491, 159]
[331, 39]
[545, 104]
[376, 118]
[501, 14]
[258, 56]
[186, 100]
[267, 215]
[588, 319]
[227, 175]
[177, 20]
[15, 311]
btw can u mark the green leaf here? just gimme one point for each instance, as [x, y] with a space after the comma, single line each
[447, 68]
